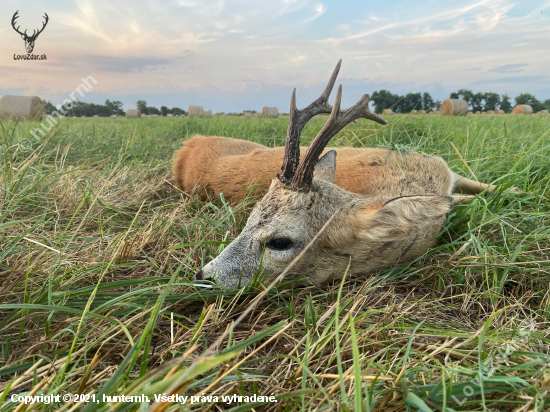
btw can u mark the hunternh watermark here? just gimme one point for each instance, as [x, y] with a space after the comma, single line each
[50, 121]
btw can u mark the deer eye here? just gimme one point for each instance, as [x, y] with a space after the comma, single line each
[279, 244]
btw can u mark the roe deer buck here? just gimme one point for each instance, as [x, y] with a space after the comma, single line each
[375, 210]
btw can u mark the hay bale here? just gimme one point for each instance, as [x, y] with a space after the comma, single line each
[270, 112]
[195, 111]
[387, 112]
[21, 108]
[169, 115]
[414, 112]
[454, 107]
[74, 117]
[95, 116]
[420, 112]
[469, 113]
[543, 112]
[499, 111]
[247, 114]
[113, 116]
[489, 112]
[133, 113]
[155, 115]
[522, 109]
[208, 113]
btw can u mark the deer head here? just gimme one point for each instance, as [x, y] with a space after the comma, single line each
[29, 40]
[304, 208]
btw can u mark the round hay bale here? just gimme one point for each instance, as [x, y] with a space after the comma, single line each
[270, 112]
[74, 117]
[113, 116]
[478, 112]
[155, 115]
[454, 107]
[469, 113]
[133, 113]
[499, 111]
[522, 109]
[414, 112]
[420, 112]
[387, 112]
[169, 115]
[208, 113]
[21, 108]
[195, 111]
[95, 116]
[247, 114]
[489, 112]
[543, 112]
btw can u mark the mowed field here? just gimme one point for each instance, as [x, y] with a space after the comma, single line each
[97, 248]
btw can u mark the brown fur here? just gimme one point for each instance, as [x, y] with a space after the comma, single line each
[217, 165]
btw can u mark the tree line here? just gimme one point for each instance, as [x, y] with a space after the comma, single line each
[384, 99]
[109, 108]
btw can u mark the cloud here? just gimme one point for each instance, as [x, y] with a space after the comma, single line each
[508, 68]
[126, 64]
[239, 54]
[516, 79]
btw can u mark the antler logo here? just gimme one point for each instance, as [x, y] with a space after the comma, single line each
[29, 40]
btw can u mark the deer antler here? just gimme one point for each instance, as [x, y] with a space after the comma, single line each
[34, 33]
[338, 119]
[297, 121]
[15, 16]
[43, 26]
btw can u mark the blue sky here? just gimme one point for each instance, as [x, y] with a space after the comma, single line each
[235, 55]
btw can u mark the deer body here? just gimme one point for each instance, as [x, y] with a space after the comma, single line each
[217, 165]
[367, 208]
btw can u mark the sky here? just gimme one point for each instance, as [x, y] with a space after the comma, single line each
[240, 55]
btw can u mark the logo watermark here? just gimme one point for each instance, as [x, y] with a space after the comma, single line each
[29, 40]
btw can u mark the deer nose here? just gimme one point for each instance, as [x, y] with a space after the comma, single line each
[198, 275]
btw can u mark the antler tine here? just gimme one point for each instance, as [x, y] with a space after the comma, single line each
[15, 17]
[43, 24]
[297, 121]
[338, 119]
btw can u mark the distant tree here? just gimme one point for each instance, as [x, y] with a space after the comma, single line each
[427, 102]
[528, 98]
[411, 101]
[492, 101]
[384, 99]
[50, 108]
[547, 104]
[163, 110]
[141, 105]
[476, 102]
[176, 111]
[115, 106]
[454, 95]
[505, 103]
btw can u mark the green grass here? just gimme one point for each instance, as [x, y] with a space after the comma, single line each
[97, 248]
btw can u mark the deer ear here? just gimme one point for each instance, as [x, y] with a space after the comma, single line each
[326, 167]
[397, 218]
[386, 220]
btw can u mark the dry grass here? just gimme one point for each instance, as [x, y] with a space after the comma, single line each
[97, 248]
